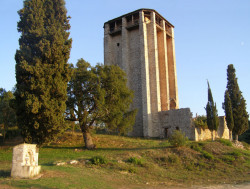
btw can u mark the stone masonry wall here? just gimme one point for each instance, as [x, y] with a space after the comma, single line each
[205, 134]
[180, 119]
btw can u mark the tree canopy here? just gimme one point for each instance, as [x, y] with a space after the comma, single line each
[7, 113]
[238, 103]
[227, 106]
[212, 115]
[42, 71]
[99, 95]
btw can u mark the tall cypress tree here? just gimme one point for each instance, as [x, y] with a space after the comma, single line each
[212, 115]
[42, 71]
[240, 115]
[227, 106]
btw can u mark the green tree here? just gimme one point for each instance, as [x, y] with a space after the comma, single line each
[227, 106]
[99, 95]
[7, 113]
[212, 115]
[240, 115]
[42, 71]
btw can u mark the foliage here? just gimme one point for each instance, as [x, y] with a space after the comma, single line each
[135, 161]
[240, 115]
[212, 115]
[201, 122]
[7, 113]
[42, 71]
[225, 142]
[99, 95]
[178, 139]
[97, 160]
[227, 106]
[245, 137]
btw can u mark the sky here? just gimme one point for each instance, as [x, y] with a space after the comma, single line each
[209, 35]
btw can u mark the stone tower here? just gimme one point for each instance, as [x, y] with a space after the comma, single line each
[142, 44]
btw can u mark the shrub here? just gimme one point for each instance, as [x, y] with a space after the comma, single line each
[225, 142]
[135, 161]
[97, 160]
[201, 122]
[178, 139]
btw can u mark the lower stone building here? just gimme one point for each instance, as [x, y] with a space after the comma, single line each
[181, 119]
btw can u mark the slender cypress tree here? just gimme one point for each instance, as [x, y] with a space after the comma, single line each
[212, 115]
[227, 106]
[240, 115]
[42, 71]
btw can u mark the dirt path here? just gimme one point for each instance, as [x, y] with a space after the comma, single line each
[225, 186]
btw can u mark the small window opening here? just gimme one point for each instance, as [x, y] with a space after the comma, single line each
[118, 44]
[177, 128]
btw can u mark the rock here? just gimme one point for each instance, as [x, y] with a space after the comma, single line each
[60, 163]
[73, 162]
[238, 144]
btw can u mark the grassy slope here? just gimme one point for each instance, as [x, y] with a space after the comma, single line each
[196, 164]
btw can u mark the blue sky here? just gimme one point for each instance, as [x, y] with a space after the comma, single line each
[209, 35]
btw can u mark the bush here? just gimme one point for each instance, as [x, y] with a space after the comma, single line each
[225, 142]
[97, 160]
[178, 139]
[135, 161]
[201, 122]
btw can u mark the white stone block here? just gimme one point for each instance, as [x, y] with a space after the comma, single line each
[25, 161]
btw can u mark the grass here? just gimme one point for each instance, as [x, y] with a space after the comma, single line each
[131, 163]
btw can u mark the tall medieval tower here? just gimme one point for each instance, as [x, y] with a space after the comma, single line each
[142, 44]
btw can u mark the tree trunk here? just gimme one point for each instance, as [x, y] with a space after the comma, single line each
[236, 138]
[88, 140]
[212, 135]
[230, 135]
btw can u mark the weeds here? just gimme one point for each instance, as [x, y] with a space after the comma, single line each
[225, 142]
[97, 160]
[207, 155]
[198, 147]
[172, 158]
[135, 161]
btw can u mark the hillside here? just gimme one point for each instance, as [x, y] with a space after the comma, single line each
[132, 163]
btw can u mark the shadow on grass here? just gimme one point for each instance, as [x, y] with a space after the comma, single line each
[4, 173]
[29, 185]
[109, 149]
